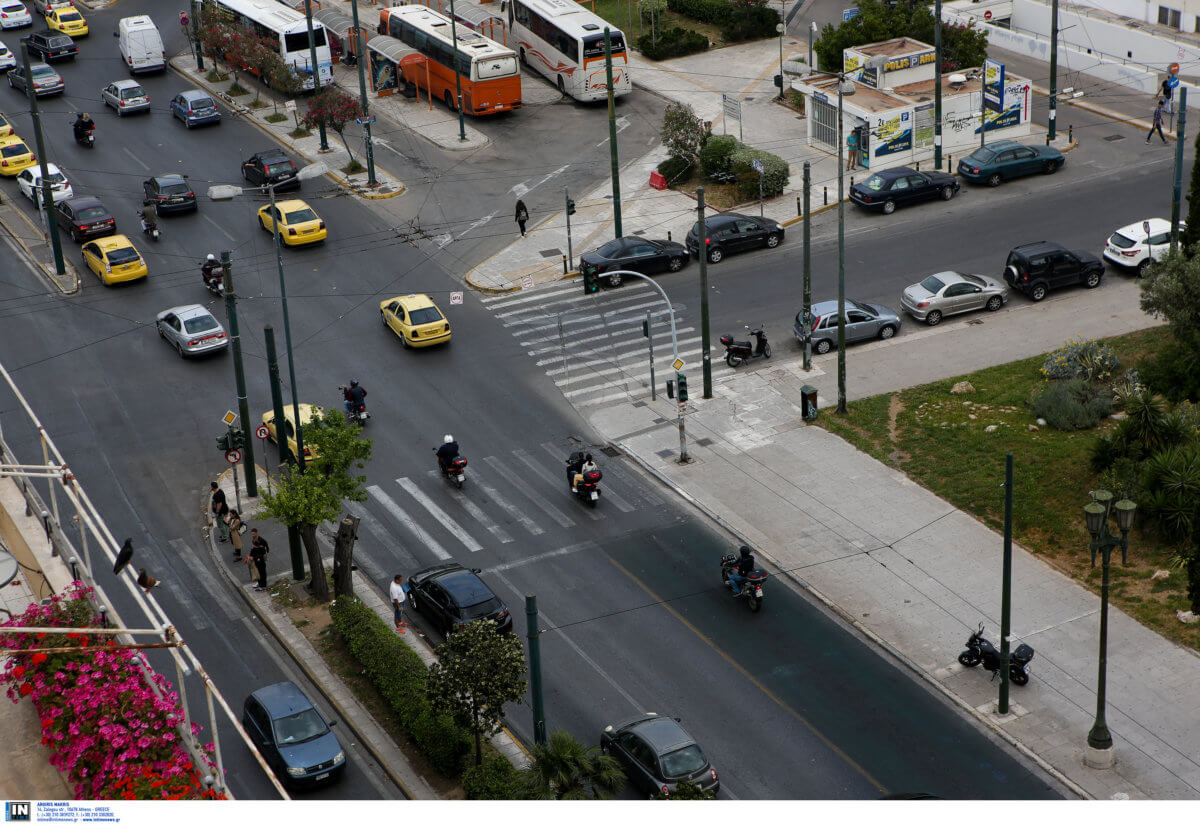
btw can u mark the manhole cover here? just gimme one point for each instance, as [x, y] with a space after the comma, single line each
[639, 403]
[660, 420]
[549, 253]
[704, 442]
[665, 453]
[611, 451]
[1113, 138]
[975, 322]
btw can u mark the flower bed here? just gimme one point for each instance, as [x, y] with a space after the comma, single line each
[109, 733]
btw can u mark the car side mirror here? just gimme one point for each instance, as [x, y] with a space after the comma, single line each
[115, 34]
[333, 722]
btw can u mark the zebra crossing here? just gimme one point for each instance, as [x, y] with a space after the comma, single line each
[592, 346]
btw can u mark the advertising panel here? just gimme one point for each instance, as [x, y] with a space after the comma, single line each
[893, 133]
[993, 85]
[910, 61]
[383, 72]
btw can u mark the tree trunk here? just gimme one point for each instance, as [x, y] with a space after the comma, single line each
[343, 557]
[319, 585]
[478, 735]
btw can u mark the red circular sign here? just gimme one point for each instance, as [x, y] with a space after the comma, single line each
[262, 433]
[183, 18]
[987, 15]
[233, 456]
[1173, 68]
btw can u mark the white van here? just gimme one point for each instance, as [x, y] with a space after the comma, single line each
[141, 47]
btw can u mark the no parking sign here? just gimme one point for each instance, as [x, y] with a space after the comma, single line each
[183, 19]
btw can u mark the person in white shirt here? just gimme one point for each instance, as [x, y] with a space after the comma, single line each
[397, 593]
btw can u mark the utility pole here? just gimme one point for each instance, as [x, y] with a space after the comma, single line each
[706, 358]
[807, 270]
[812, 28]
[1180, 133]
[60, 266]
[612, 132]
[1006, 585]
[316, 72]
[841, 343]
[569, 208]
[362, 94]
[779, 27]
[937, 85]
[462, 124]
[535, 671]
[281, 439]
[239, 376]
[1053, 67]
[197, 10]
[287, 337]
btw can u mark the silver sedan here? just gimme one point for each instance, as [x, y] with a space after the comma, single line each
[948, 293]
[191, 330]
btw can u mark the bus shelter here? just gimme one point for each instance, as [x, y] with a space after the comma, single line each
[393, 61]
[340, 29]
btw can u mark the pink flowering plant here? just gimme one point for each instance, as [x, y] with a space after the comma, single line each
[108, 732]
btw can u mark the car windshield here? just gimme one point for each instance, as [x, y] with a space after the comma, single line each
[200, 324]
[300, 216]
[175, 188]
[429, 314]
[128, 94]
[683, 762]
[932, 284]
[126, 254]
[281, 166]
[980, 156]
[480, 610]
[90, 213]
[14, 150]
[861, 307]
[1122, 241]
[303, 726]
[875, 183]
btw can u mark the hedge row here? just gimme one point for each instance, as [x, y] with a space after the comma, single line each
[722, 155]
[747, 23]
[400, 676]
[494, 780]
[673, 42]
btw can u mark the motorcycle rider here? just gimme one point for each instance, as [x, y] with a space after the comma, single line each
[588, 465]
[745, 566]
[83, 124]
[447, 452]
[355, 396]
[209, 270]
[147, 214]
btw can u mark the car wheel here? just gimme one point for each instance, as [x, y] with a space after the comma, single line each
[676, 263]
[1092, 280]
[263, 223]
[75, 236]
[179, 348]
[994, 303]
[1038, 292]
[773, 240]
[612, 281]
[382, 317]
[822, 347]
[403, 340]
[889, 206]
[994, 180]
[715, 254]
[947, 192]
[1143, 266]
[933, 318]
[1049, 167]
[158, 327]
[887, 332]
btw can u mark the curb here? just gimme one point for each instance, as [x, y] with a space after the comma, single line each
[1103, 111]
[489, 290]
[53, 278]
[869, 634]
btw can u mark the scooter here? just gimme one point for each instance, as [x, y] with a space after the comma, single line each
[752, 587]
[980, 651]
[357, 413]
[588, 488]
[454, 472]
[215, 282]
[149, 226]
[739, 351]
[87, 138]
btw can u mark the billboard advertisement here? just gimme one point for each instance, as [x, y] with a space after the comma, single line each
[993, 85]
[893, 133]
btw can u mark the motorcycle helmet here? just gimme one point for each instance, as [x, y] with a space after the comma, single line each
[353, 383]
[212, 257]
[448, 439]
[745, 552]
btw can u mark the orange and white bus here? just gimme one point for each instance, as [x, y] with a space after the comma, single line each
[490, 76]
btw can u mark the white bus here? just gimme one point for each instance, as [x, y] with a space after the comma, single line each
[285, 26]
[565, 42]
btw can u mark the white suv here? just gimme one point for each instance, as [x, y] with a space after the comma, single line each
[1135, 245]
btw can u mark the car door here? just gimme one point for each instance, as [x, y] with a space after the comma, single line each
[900, 191]
[1027, 161]
[955, 298]
[440, 601]
[62, 213]
[150, 187]
[270, 215]
[638, 761]
[26, 183]
[642, 257]
[860, 325]
[1159, 244]
[170, 326]
[921, 187]
[254, 170]
[178, 107]
[93, 257]
[264, 734]
[1064, 269]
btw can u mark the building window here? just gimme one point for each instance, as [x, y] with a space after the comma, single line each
[1168, 17]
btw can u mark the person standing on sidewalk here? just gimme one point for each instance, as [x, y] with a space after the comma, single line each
[522, 216]
[258, 555]
[396, 590]
[852, 147]
[1158, 116]
[1165, 93]
[222, 518]
[236, 528]
[218, 497]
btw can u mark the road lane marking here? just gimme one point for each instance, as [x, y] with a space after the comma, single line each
[135, 158]
[609, 300]
[423, 537]
[557, 553]
[554, 512]
[436, 511]
[217, 226]
[380, 532]
[525, 458]
[476, 513]
[511, 509]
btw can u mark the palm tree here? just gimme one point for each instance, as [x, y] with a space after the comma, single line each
[566, 770]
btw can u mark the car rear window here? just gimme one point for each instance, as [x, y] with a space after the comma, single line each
[480, 610]
[71, 16]
[300, 216]
[683, 762]
[56, 177]
[932, 284]
[129, 94]
[91, 213]
[43, 71]
[875, 183]
[15, 8]
[201, 103]
[200, 324]
[175, 189]
[981, 156]
[1122, 241]
[126, 254]
[14, 150]
[57, 42]
[280, 167]
[427, 315]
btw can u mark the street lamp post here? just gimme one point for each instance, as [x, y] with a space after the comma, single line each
[841, 341]
[779, 27]
[462, 124]
[812, 28]
[1099, 752]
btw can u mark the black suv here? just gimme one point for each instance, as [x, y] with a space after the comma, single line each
[271, 167]
[730, 232]
[51, 45]
[170, 193]
[1035, 268]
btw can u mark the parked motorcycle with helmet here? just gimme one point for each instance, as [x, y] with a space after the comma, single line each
[980, 651]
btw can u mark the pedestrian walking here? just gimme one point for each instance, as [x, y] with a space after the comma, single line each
[258, 555]
[1158, 116]
[236, 528]
[222, 521]
[852, 147]
[522, 216]
[396, 590]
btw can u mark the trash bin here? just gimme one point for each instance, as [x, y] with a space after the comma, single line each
[808, 402]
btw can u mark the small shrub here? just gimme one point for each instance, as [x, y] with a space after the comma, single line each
[443, 742]
[1172, 499]
[715, 154]
[1081, 358]
[775, 172]
[706, 11]
[673, 42]
[236, 90]
[676, 170]
[648, 9]
[1072, 404]
[753, 23]
[216, 76]
[299, 132]
[275, 117]
[494, 780]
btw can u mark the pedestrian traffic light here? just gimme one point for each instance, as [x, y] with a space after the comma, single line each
[591, 281]
[570, 206]
[223, 442]
[681, 387]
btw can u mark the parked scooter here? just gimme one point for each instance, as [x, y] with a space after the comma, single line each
[455, 471]
[980, 651]
[752, 587]
[149, 224]
[739, 351]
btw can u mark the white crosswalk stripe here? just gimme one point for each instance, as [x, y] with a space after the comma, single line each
[473, 508]
[403, 517]
[440, 514]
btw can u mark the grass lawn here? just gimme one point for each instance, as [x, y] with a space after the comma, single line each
[938, 440]
[623, 14]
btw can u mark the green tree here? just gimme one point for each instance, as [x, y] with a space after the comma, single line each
[683, 133]
[563, 769]
[333, 108]
[962, 46]
[306, 499]
[1171, 290]
[1191, 234]
[479, 670]
[688, 791]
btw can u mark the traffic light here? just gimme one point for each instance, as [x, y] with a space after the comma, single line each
[570, 206]
[223, 442]
[237, 438]
[591, 281]
[681, 387]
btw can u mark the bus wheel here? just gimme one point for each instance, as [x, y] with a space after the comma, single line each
[524, 62]
[562, 87]
[449, 98]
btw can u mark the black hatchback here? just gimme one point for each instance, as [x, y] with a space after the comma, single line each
[730, 232]
[887, 189]
[452, 596]
[657, 754]
[51, 45]
[636, 254]
[271, 168]
[170, 193]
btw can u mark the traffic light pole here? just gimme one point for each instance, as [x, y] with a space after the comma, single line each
[239, 376]
[570, 209]
[60, 266]
[281, 438]
[612, 134]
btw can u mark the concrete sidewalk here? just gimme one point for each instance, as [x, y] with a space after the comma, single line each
[912, 572]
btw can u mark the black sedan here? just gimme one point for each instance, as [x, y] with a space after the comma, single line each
[452, 596]
[657, 754]
[170, 193]
[887, 189]
[730, 232]
[636, 254]
[84, 217]
[271, 167]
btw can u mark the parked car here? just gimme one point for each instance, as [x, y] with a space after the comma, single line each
[864, 321]
[1136, 245]
[888, 189]
[50, 45]
[170, 193]
[948, 293]
[8, 60]
[415, 319]
[292, 735]
[636, 254]
[195, 108]
[46, 80]
[125, 97]
[730, 232]
[271, 167]
[14, 15]
[1036, 268]
[452, 596]
[1008, 159]
[191, 330]
[30, 182]
[41, 7]
[657, 753]
[84, 217]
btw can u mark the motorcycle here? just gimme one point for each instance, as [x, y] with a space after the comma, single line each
[455, 471]
[588, 488]
[739, 351]
[215, 282]
[752, 587]
[85, 137]
[358, 411]
[149, 226]
[980, 651]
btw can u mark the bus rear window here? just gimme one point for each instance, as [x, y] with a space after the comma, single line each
[495, 67]
[298, 41]
[594, 46]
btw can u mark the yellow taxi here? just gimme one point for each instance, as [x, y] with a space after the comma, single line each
[415, 319]
[15, 156]
[308, 412]
[6, 128]
[67, 20]
[114, 259]
[298, 223]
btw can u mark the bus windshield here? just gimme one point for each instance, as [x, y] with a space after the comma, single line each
[594, 46]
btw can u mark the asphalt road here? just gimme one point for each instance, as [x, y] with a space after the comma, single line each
[630, 591]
